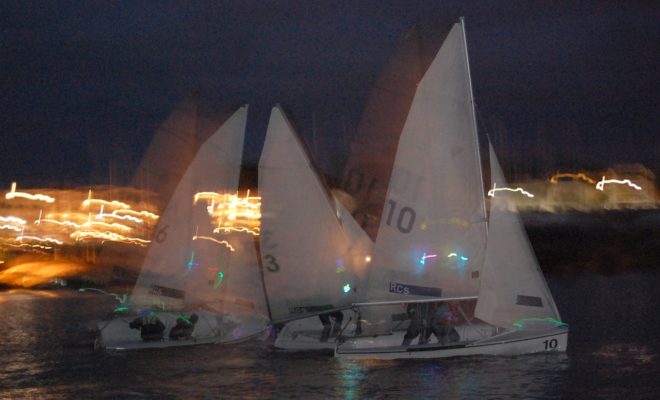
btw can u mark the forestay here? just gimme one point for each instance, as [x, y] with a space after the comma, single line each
[512, 284]
[431, 237]
[310, 262]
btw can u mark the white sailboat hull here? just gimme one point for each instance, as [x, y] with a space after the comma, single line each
[305, 334]
[510, 343]
[211, 328]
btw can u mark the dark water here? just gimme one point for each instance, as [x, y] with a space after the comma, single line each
[613, 353]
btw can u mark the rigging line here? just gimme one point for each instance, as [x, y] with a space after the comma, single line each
[482, 122]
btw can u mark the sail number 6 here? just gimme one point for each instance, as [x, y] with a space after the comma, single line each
[405, 219]
[161, 235]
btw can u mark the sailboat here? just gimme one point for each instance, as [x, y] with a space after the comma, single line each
[438, 247]
[314, 255]
[196, 275]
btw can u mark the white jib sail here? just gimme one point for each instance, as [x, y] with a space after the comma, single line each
[512, 284]
[308, 259]
[432, 232]
[183, 267]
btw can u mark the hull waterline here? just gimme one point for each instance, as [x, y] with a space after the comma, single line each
[507, 344]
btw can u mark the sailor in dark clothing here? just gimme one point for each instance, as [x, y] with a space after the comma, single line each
[415, 314]
[440, 320]
[338, 317]
[184, 327]
[151, 328]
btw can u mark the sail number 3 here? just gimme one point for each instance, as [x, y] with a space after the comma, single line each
[405, 217]
[272, 264]
[268, 244]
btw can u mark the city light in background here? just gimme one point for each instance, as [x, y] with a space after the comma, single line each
[49, 235]
[56, 234]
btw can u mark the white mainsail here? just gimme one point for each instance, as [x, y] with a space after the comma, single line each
[310, 261]
[432, 232]
[184, 267]
[512, 284]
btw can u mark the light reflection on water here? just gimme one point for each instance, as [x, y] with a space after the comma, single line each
[46, 353]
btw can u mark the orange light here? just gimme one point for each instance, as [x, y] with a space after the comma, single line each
[555, 178]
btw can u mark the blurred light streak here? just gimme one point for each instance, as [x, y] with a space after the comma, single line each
[38, 197]
[28, 245]
[109, 236]
[13, 219]
[113, 203]
[451, 221]
[10, 228]
[120, 227]
[223, 242]
[555, 178]
[492, 191]
[600, 185]
[39, 239]
[425, 256]
[52, 221]
[145, 214]
[34, 273]
[102, 215]
[228, 229]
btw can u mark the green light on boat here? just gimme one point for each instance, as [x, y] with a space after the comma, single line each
[521, 323]
[221, 276]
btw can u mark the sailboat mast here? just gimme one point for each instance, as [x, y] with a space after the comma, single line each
[474, 131]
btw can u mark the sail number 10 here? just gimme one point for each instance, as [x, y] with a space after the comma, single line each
[405, 217]
[550, 344]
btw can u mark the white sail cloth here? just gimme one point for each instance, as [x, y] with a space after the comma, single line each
[311, 262]
[512, 284]
[432, 232]
[179, 271]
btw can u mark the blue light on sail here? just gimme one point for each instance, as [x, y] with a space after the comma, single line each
[340, 265]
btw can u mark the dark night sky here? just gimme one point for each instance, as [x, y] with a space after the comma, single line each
[576, 83]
